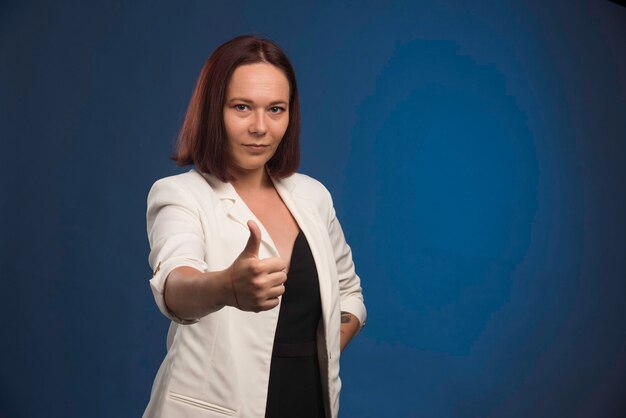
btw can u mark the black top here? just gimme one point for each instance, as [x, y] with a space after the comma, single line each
[295, 388]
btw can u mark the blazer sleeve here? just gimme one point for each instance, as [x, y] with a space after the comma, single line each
[176, 237]
[350, 291]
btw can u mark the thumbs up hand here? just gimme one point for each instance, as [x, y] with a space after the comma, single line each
[257, 283]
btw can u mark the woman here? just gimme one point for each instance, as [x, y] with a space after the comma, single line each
[249, 260]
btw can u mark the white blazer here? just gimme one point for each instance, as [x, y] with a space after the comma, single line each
[218, 366]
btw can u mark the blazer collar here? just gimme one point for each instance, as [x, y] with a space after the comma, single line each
[237, 209]
[225, 190]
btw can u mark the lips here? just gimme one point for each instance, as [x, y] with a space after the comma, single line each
[256, 147]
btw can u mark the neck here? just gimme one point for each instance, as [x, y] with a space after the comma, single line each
[251, 181]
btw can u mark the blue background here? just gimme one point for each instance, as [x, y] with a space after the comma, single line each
[477, 158]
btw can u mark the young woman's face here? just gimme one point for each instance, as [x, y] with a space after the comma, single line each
[256, 115]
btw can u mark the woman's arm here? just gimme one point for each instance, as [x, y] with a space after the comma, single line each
[191, 294]
[353, 312]
[349, 328]
[182, 284]
[249, 284]
[350, 291]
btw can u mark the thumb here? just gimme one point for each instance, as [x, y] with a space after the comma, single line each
[254, 242]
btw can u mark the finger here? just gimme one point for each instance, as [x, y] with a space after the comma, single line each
[274, 264]
[275, 292]
[270, 304]
[276, 279]
[254, 242]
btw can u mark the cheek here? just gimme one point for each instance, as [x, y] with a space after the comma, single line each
[229, 125]
[234, 129]
[281, 128]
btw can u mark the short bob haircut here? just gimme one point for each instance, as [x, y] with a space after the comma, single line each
[202, 140]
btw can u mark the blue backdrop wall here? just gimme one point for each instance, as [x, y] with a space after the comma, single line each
[476, 154]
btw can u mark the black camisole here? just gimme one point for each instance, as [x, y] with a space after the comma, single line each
[295, 388]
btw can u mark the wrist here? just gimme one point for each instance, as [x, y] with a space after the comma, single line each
[222, 288]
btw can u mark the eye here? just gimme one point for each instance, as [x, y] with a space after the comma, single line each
[277, 109]
[241, 107]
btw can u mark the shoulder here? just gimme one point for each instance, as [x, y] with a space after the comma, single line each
[189, 180]
[313, 192]
[307, 187]
[179, 189]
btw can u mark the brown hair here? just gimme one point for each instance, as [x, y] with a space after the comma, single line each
[202, 140]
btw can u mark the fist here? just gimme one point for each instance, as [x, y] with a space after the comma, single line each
[257, 283]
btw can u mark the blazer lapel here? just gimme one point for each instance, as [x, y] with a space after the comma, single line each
[302, 212]
[308, 221]
[237, 210]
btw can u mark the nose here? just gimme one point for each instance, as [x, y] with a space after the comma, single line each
[257, 123]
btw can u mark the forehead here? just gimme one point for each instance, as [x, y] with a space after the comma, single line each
[258, 82]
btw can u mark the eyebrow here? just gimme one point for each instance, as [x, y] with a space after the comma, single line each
[241, 99]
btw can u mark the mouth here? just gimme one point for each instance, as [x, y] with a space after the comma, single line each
[256, 147]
